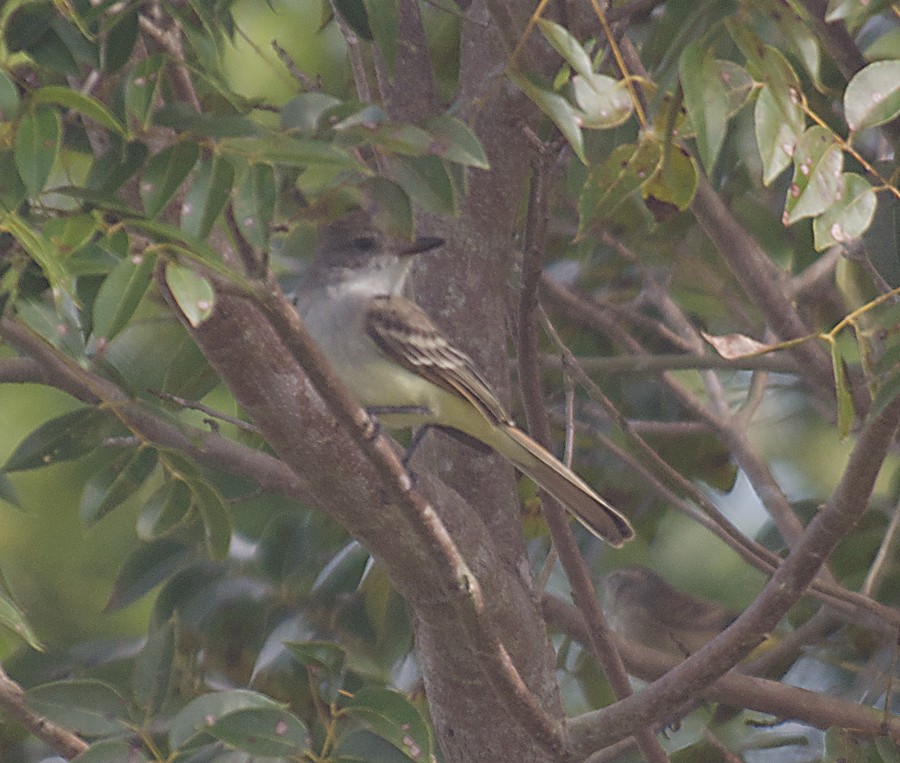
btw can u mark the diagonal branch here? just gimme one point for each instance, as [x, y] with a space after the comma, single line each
[563, 541]
[760, 694]
[12, 700]
[790, 581]
[766, 284]
[710, 516]
[406, 532]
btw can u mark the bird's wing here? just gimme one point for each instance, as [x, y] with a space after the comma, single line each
[404, 332]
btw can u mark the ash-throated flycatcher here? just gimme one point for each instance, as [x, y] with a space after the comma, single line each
[400, 365]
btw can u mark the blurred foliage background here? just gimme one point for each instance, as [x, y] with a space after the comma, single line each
[92, 584]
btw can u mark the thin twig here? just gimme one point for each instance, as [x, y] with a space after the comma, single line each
[654, 364]
[698, 672]
[757, 555]
[195, 405]
[583, 593]
[63, 741]
[884, 558]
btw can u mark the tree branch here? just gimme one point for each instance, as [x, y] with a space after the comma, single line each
[405, 532]
[585, 312]
[12, 700]
[836, 518]
[735, 688]
[765, 283]
[577, 573]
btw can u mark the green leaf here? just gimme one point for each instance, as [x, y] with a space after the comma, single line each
[8, 492]
[115, 483]
[120, 38]
[181, 245]
[737, 82]
[216, 520]
[145, 568]
[849, 217]
[323, 655]
[604, 101]
[68, 234]
[426, 181]
[207, 197]
[63, 438]
[384, 608]
[405, 139]
[568, 47]
[254, 204]
[799, 33]
[624, 171]
[769, 66]
[26, 25]
[351, 115]
[383, 18]
[121, 293]
[78, 101]
[293, 152]
[165, 510]
[192, 292]
[817, 181]
[873, 95]
[37, 29]
[777, 133]
[783, 90]
[42, 252]
[888, 749]
[112, 751]
[392, 210]
[164, 174]
[38, 141]
[13, 618]
[305, 111]
[853, 12]
[267, 731]
[556, 107]
[142, 89]
[152, 673]
[87, 707]
[885, 46]
[345, 572]
[361, 744]
[394, 718]
[190, 727]
[189, 374]
[184, 118]
[9, 98]
[12, 189]
[325, 662]
[842, 389]
[454, 141]
[676, 182]
[841, 747]
[115, 166]
[706, 100]
[58, 329]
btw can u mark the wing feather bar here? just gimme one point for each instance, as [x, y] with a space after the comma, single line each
[404, 332]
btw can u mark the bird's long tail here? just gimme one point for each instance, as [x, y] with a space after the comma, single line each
[598, 516]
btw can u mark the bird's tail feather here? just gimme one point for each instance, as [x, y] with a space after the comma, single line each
[598, 516]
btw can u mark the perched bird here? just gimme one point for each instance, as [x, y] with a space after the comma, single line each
[400, 365]
[644, 608]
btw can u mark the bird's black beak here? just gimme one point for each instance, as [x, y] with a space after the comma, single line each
[422, 244]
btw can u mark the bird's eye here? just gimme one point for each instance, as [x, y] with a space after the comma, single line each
[364, 243]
